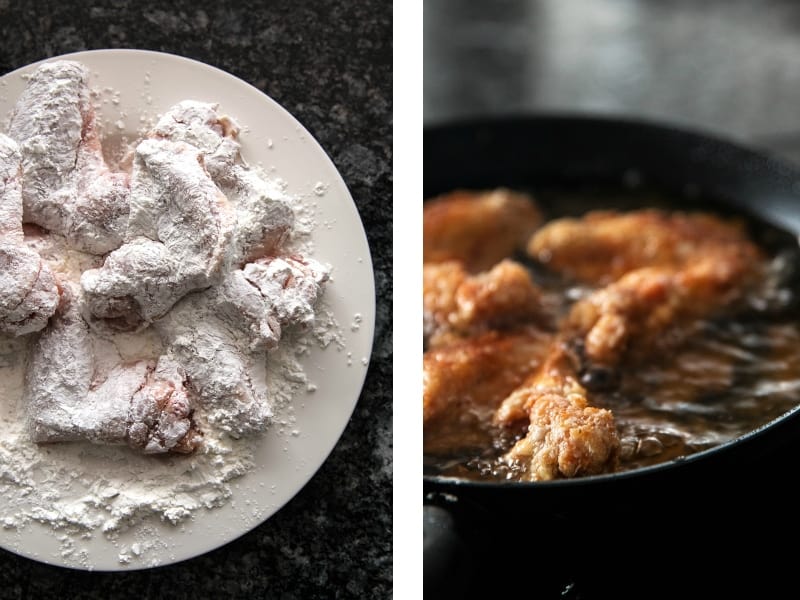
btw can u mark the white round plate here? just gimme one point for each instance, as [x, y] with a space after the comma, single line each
[145, 84]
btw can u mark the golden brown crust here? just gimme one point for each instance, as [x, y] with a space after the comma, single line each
[478, 228]
[481, 370]
[566, 437]
[602, 246]
[463, 384]
[456, 304]
[654, 307]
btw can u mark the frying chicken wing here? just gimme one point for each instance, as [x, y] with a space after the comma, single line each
[566, 437]
[601, 246]
[29, 292]
[652, 308]
[653, 278]
[456, 303]
[67, 187]
[478, 228]
[463, 384]
[662, 273]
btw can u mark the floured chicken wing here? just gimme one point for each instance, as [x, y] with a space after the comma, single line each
[230, 383]
[463, 384]
[177, 237]
[264, 218]
[29, 292]
[144, 404]
[289, 288]
[477, 228]
[201, 125]
[456, 304]
[246, 314]
[67, 188]
[10, 191]
[194, 242]
[566, 437]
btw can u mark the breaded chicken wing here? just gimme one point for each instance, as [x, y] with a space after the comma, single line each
[456, 303]
[601, 246]
[478, 228]
[662, 272]
[651, 308]
[464, 383]
[566, 437]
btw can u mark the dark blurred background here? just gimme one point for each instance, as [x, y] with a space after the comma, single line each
[329, 64]
[730, 67]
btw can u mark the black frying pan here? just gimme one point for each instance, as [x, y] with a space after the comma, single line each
[737, 489]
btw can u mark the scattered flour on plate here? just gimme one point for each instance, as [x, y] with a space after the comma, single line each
[80, 488]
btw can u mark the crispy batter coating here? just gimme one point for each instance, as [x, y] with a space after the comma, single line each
[654, 307]
[634, 311]
[662, 274]
[478, 228]
[566, 437]
[661, 271]
[481, 370]
[602, 246]
[463, 384]
[456, 303]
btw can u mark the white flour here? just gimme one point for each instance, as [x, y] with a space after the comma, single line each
[80, 490]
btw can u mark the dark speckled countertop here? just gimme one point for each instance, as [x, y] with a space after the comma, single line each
[329, 64]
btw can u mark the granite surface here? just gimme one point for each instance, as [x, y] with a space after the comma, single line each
[329, 64]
